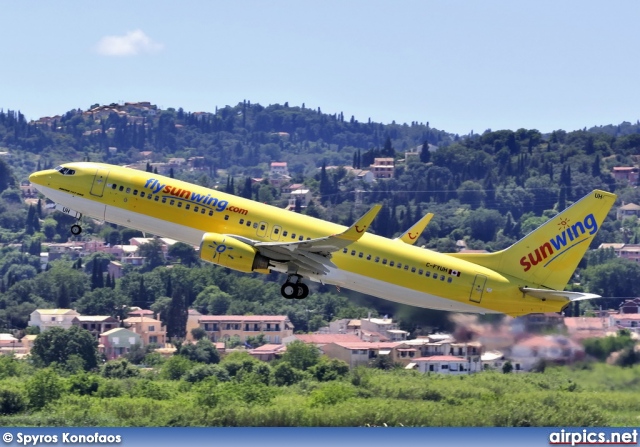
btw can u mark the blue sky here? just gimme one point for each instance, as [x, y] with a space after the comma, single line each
[460, 65]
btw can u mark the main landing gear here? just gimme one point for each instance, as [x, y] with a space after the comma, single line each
[297, 290]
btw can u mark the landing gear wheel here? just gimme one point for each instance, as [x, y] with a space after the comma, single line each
[289, 290]
[76, 229]
[303, 291]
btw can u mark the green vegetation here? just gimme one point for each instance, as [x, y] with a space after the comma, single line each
[241, 391]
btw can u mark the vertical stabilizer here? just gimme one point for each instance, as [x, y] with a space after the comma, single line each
[549, 255]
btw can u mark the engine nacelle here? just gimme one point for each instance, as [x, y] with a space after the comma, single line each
[229, 252]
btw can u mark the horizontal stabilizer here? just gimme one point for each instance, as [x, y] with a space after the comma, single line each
[558, 295]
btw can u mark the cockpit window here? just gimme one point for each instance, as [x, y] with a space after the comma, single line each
[65, 171]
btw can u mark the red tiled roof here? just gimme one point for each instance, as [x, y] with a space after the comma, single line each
[369, 345]
[327, 338]
[241, 318]
[271, 347]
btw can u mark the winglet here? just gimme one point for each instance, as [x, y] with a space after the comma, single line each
[411, 235]
[360, 227]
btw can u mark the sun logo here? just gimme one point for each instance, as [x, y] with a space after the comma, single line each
[220, 248]
[564, 224]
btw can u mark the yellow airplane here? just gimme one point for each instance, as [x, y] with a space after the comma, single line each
[249, 237]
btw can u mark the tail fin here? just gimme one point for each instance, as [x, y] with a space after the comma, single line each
[549, 255]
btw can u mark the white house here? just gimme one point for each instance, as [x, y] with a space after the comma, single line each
[48, 318]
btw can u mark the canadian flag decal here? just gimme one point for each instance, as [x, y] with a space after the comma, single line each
[454, 272]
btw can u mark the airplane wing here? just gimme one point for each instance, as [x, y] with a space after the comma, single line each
[313, 255]
[411, 235]
[557, 295]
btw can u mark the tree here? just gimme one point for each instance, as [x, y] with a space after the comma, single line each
[59, 345]
[425, 155]
[203, 351]
[44, 387]
[152, 252]
[185, 252]
[301, 355]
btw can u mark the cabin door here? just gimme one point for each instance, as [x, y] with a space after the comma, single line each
[477, 288]
[97, 188]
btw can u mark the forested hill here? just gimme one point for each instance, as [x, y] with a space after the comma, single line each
[485, 189]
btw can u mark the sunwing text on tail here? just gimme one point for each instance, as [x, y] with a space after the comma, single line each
[249, 236]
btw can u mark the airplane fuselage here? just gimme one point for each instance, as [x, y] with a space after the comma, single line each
[389, 269]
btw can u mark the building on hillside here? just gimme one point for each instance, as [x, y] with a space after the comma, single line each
[222, 327]
[361, 353]
[268, 352]
[557, 349]
[48, 318]
[625, 321]
[302, 196]
[446, 364]
[10, 345]
[628, 210]
[382, 168]
[117, 342]
[342, 326]
[579, 328]
[320, 340]
[149, 329]
[96, 324]
[192, 323]
[626, 173]
[384, 326]
[631, 306]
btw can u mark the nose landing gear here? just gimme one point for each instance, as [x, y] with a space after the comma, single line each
[294, 290]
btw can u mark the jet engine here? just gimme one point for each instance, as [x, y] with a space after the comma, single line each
[228, 252]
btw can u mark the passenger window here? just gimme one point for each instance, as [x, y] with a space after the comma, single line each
[211, 214]
[187, 206]
[441, 277]
[263, 226]
[377, 258]
[202, 210]
[276, 230]
[301, 238]
[241, 221]
[149, 196]
[368, 257]
[353, 252]
[428, 274]
[293, 235]
[195, 209]
[114, 186]
[399, 265]
[156, 198]
[121, 188]
[255, 225]
[413, 269]
[172, 202]
[135, 192]
[406, 267]
[141, 193]
[248, 223]
[128, 190]
[285, 232]
[420, 272]
[392, 263]
[360, 254]
[435, 276]
[226, 217]
[449, 279]
[164, 200]
[344, 250]
[384, 261]
[179, 204]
